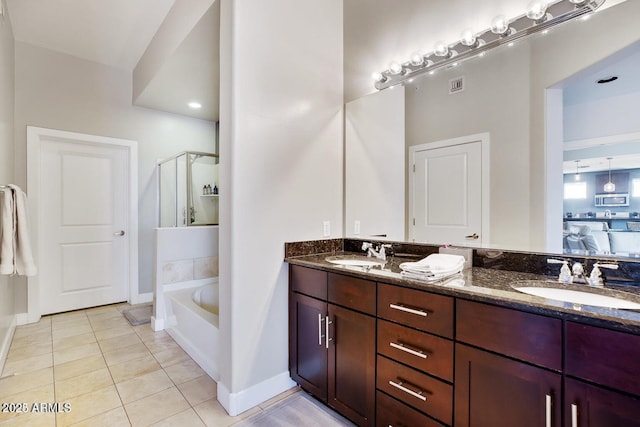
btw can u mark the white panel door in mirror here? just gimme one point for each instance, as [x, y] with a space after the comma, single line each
[448, 194]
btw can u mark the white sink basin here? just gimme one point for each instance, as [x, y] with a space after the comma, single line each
[355, 261]
[578, 297]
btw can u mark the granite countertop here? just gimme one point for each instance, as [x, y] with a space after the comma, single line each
[493, 286]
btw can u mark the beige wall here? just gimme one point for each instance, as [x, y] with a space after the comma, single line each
[495, 100]
[7, 306]
[59, 91]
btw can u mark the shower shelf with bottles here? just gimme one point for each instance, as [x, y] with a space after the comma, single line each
[188, 190]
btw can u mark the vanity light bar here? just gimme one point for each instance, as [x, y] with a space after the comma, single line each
[556, 13]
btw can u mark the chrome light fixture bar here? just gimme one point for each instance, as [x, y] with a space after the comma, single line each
[541, 16]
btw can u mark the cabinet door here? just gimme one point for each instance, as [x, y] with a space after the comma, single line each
[495, 391]
[352, 361]
[591, 406]
[307, 346]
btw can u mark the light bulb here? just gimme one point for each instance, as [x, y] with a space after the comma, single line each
[468, 37]
[378, 77]
[536, 10]
[441, 49]
[417, 59]
[395, 68]
[195, 105]
[609, 187]
[500, 25]
[577, 1]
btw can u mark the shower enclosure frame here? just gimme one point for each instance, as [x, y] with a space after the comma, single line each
[189, 187]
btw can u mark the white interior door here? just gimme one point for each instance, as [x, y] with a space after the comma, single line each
[82, 221]
[447, 194]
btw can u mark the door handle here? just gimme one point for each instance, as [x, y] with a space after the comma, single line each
[473, 236]
[119, 233]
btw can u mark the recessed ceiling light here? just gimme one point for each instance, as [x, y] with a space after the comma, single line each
[195, 105]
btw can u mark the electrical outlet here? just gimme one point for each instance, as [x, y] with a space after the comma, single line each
[326, 228]
[356, 227]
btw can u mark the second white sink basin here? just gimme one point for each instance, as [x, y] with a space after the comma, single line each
[578, 297]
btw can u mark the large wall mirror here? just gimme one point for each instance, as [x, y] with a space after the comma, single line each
[534, 109]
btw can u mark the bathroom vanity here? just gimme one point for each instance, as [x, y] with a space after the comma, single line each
[387, 351]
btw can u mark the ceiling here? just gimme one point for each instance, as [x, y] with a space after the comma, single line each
[117, 33]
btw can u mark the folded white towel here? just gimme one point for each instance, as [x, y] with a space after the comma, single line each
[6, 231]
[438, 265]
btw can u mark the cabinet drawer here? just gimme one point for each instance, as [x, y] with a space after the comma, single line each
[419, 350]
[416, 389]
[356, 294]
[418, 309]
[603, 356]
[530, 337]
[390, 412]
[308, 281]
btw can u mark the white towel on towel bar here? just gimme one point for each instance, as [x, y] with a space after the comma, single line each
[7, 228]
[18, 258]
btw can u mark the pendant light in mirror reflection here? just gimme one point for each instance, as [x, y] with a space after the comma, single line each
[540, 16]
[609, 187]
[577, 175]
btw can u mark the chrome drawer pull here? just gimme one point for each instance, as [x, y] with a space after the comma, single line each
[574, 415]
[408, 310]
[417, 394]
[406, 348]
[326, 331]
[548, 411]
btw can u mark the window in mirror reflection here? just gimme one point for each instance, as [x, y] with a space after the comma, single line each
[635, 187]
[575, 190]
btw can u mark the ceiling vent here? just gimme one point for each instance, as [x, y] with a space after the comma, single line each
[456, 85]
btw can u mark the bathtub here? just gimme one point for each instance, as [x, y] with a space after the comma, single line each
[192, 321]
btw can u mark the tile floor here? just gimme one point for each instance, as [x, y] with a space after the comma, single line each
[110, 373]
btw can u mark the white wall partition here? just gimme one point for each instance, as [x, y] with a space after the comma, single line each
[281, 175]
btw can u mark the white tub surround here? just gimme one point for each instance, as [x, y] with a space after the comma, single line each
[185, 258]
[192, 326]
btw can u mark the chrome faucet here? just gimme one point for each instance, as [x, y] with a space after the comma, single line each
[577, 270]
[378, 251]
[595, 279]
[576, 273]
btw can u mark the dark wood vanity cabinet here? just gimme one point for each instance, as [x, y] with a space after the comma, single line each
[415, 366]
[588, 405]
[610, 359]
[522, 384]
[414, 358]
[493, 390]
[331, 345]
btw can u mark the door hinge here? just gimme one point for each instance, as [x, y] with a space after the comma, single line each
[414, 221]
[414, 167]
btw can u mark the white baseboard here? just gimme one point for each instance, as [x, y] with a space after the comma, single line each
[142, 298]
[23, 319]
[237, 403]
[5, 342]
[157, 324]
